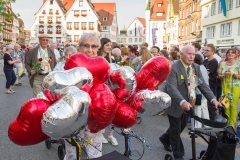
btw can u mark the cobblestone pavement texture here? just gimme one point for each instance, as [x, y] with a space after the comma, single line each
[151, 128]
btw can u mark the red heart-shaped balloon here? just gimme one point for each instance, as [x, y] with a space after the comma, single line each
[98, 66]
[125, 117]
[120, 93]
[26, 129]
[153, 73]
[102, 109]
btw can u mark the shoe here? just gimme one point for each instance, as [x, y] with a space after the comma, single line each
[16, 84]
[20, 84]
[12, 91]
[113, 140]
[166, 147]
[8, 92]
[104, 140]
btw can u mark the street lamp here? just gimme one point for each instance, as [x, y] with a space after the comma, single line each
[189, 17]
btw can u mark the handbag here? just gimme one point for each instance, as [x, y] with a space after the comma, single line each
[224, 99]
[198, 101]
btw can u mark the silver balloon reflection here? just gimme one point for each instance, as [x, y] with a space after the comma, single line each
[154, 97]
[68, 114]
[127, 73]
[41, 95]
[78, 75]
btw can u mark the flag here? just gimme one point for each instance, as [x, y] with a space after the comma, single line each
[224, 7]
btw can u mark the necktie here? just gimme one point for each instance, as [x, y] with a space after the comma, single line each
[188, 71]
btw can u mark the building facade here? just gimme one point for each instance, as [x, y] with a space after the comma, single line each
[190, 22]
[155, 15]
[172, 23]
[108, 18]
[21, 35]
[219, 27]
[65, 20]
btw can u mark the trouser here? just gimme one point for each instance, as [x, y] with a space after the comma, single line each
[172, 136]
[232, 111]
[92, 152]
[37, 84]
[19, 66]
[202, 112]
[211, 109]
[10, 77]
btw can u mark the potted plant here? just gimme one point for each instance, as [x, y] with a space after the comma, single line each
[84, 28]
[84, 14]
[41, 22]
[76, 15]
[49, 21]
[50, 12]
[58, 22]
[57, 13]
[76, 28]
[43, 12]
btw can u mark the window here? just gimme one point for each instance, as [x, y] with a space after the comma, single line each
[186, 10]
[51, 2]
[130, 32]
[41, 28]
[239, 27]
[220, 7]
[230, 4]
[238, 3]
[58, 29]
[206, 11]
[159, 4]
[80, 3]
[159, 14]
[49, 29]
[58, 20]
[69, 38]
[213, 9]
[181, 14]
[50, 21]
[106, 35]
[91, 25]
[83, 13]
[190, 8]
[58, 39]
[104, 27]
[69, 25]
[76, 25]
[104, 18]
[130, 40]
[76, 13]
[155, 25]
[210, 32]
[226, 30]
[136, 39]
[197, 25]
[140, 39]
[41, 19]
[50, 11]
[84, 25]
[76, 38]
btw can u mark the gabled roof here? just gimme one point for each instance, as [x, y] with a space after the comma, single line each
[141, 20]
[105, 9]
[155, 9]
[59, 2]
[67, 4]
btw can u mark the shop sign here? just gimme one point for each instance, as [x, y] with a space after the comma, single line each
[225, 41]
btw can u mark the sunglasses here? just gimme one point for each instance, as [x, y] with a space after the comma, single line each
[87, 46]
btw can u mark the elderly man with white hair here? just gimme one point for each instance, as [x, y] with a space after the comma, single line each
[116, 53]
[17, 54]
[56, 52]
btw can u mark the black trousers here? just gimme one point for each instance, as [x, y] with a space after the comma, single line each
[172, 136]
[10, 77]
[211, 109]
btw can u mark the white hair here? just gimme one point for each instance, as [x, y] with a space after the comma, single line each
[9, 47]
[154, 49]
[115, 50]
[71, 49]
[185, 48]
[89, 35]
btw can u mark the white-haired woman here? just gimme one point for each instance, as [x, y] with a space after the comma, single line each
[8, 69]
[88, 45]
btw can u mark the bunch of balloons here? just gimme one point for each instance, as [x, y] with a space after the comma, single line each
[92, 93]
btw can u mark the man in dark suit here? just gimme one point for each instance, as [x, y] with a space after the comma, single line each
[177, 87]
[46, 55]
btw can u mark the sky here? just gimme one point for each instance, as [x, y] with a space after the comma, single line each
[127, 10]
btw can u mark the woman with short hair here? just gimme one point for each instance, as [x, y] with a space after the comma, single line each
[8, 69]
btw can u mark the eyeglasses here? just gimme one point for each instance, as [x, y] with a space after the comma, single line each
[87, 46]
[232, 52]
[44, 40]
[206, 50]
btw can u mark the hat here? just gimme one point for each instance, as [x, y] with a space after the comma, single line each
[43, 36]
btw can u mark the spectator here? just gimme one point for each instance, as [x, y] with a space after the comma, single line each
[229, 72]
[173, 56]
[56, 52]
[211, 65]
[144, 56]
[175, 48]
[136, 47]
[133, 54]
[197, 47]
[164, 53]
[144, 44]
[115, 45]
[155, 52]
[201, 110]
[116, 52]
[105, 49]
[125, 52]
[8, 69]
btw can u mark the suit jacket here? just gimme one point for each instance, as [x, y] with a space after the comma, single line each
[177, 88]
[32, 57]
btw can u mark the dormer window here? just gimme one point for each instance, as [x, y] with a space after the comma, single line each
[104, 18]
[80, 3]
[159, 4]
[159, 14]
[51, 2]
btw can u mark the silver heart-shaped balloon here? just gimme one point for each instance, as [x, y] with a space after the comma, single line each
[68, 114]
[75, 76]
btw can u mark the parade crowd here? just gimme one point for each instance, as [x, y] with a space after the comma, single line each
[220, 78]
